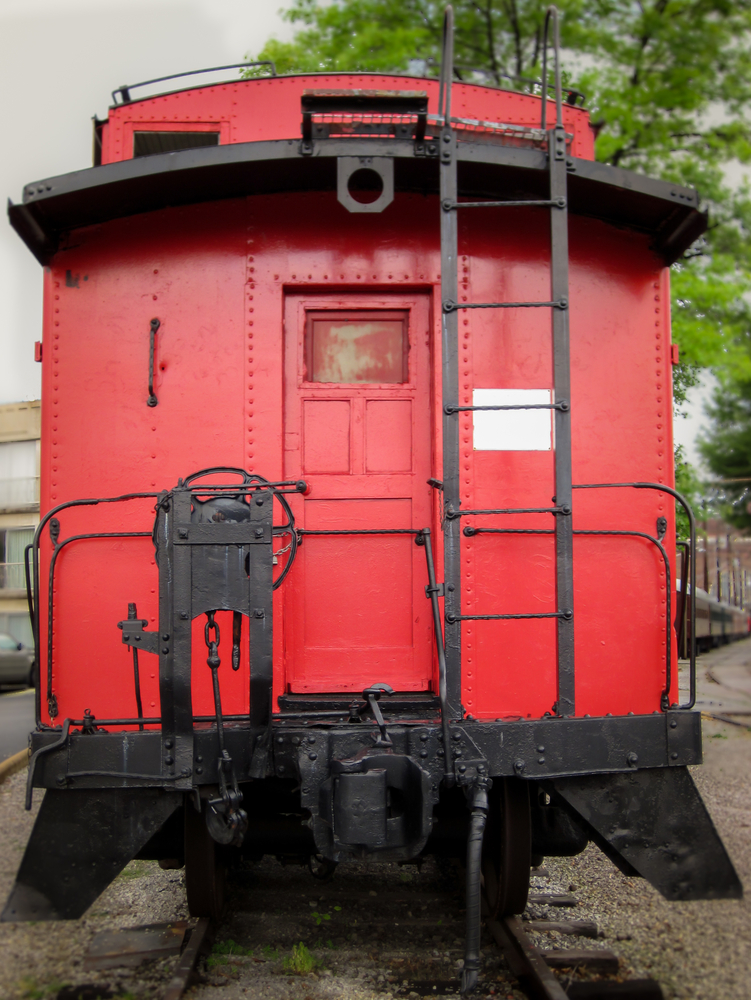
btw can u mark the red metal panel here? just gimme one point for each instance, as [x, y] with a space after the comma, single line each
[101, 439]
[218, 277]
[269, 108]
[620, 401]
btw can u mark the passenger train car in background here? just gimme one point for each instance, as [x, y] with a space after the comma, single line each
[356, 416]
[717, 622]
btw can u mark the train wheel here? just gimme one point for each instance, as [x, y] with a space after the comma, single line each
[205, 869]
[507, 847]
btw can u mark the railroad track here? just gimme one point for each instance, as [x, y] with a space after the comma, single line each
[411, 937]
[535, 972]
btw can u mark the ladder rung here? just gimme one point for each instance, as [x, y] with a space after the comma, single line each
[470, 531]
[359, 531]
[563, 406]
[565, 509]
[450, 306]
[451, 619]
[448, 206]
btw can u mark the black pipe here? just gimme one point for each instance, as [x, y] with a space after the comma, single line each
[479, 806]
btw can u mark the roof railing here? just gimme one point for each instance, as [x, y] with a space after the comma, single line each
[124, 91]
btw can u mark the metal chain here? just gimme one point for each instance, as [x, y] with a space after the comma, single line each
[212, 644]
[225, 820]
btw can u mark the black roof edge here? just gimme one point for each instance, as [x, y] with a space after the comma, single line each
[668, 213]
[31, 232]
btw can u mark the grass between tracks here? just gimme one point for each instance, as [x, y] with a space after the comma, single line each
[301, 961]
[32, 989]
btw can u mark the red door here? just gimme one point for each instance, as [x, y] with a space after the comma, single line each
[357, 429]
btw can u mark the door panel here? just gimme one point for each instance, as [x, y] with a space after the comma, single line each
[325, 431]
[388, 435]
[355, 609]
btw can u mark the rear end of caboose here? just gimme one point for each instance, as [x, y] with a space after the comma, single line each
[358, 533]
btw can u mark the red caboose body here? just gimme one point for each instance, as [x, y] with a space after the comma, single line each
[288, 385]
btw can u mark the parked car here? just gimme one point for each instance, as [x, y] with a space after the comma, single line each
[16, 661]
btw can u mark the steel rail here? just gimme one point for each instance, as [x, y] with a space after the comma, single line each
[525, 961]
[200, 940]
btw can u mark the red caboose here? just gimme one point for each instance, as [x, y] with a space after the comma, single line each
[311, 345]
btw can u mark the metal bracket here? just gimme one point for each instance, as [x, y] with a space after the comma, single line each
[559, 143]
[359, 108]
[683, 738]
[135, 636]
[371, 695]
[348, 166]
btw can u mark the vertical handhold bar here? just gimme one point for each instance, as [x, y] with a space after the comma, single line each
[432, 591]
[551, 14]
[154, 326]
[447, 66]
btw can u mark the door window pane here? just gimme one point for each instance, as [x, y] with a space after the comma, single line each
[357, 347]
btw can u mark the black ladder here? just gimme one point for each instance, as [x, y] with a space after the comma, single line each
[555, 138]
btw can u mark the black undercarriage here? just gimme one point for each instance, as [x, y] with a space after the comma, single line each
[332, 791]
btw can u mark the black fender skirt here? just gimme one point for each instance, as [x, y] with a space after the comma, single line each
[653, 823]
[82, 839]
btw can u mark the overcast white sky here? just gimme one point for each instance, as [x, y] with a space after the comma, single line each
[59, 62]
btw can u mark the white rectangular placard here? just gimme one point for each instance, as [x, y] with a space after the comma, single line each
[512, 430]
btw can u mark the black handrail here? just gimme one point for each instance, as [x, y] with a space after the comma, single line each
[126, 88]
[680, 611]
[661, 487]
[35, 564]
[51, 701]
[470, 531]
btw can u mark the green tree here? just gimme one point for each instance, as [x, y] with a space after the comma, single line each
[726, 449]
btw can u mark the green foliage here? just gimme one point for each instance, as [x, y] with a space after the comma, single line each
[224, 951]
[688, 484]
[726, 449]
[31, 989]
[500, 41]
[320, 917]
[230, 947]
[301, 962]
[136, 869]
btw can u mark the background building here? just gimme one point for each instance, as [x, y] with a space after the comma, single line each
[19, 510]
[723, 566]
